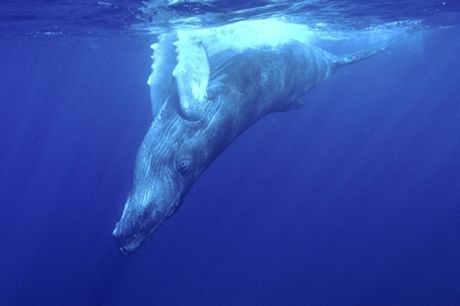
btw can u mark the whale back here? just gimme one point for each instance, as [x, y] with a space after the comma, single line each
[188, 61]
[185, 61]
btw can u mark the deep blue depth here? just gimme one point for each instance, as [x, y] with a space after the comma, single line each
[352, 200]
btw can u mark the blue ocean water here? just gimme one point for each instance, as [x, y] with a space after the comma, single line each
[352, 200]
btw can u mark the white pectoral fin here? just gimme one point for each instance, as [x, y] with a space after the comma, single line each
[192, 77]
[161, 80]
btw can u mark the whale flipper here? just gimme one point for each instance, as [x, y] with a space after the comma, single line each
[192, 77]
[161, 80]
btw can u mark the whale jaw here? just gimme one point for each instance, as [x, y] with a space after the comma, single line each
[130, 232]
[139, 221]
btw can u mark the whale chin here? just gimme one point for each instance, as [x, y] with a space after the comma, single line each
[127, 240]
[128, 247]
[134, 228]
[141, 218]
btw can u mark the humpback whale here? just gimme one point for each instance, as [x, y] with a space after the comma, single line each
[208, 86]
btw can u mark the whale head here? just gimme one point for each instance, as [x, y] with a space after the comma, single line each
[164, 174]
[173, 154]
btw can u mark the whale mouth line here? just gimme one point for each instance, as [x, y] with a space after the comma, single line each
[130, 236]
[135, 228]
[128, 243]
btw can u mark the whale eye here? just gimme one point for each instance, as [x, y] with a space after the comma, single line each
[183, 165]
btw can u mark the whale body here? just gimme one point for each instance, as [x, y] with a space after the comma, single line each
[207, 87]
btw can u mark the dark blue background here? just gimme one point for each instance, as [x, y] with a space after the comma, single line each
[353, 200]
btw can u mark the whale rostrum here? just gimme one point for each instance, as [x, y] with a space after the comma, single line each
[207, 87]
